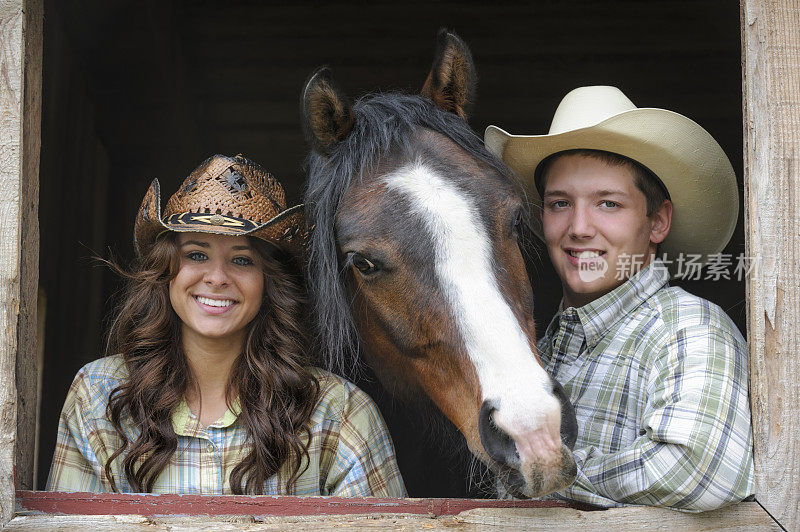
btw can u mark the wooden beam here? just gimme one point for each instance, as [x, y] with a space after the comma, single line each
[18, 167]
[27, 367]
[771, 101]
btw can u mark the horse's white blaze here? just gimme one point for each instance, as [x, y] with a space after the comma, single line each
[497, 346]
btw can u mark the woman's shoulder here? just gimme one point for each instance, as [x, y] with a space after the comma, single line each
[95, 381]
[110, 368]
[338, 397]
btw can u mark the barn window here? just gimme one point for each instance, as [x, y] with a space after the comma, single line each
[129, 91]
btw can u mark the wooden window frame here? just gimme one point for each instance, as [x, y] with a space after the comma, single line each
[770, 32]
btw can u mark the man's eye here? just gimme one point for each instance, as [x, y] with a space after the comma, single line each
[196, 255]
[243, 261]
[610, 204]
[363, 264]
[559, 204]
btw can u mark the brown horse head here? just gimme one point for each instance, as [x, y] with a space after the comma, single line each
[415, 262]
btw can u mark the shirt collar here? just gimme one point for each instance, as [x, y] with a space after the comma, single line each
[568, 314]
[604, 312]
[186, 424]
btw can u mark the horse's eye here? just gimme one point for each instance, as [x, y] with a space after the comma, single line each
[363, 264]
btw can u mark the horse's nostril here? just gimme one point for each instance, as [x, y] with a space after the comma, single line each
[498, 445]
[569, 425]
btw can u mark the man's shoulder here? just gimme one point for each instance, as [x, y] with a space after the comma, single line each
[678, 309]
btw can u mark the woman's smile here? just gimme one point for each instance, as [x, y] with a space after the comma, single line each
[215, 305]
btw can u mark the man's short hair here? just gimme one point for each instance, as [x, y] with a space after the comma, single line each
[651, 186]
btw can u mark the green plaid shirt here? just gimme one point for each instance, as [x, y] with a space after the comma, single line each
[351, 453]
[658, 378]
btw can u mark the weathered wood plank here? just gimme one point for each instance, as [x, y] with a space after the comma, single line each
[771, 71]
[130, 523]
[12, 23]
[747, 516]
[744, 516]
[27, 375]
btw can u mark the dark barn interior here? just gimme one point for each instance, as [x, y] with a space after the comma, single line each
[137, 90]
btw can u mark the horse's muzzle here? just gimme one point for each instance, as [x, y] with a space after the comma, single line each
[530, 479]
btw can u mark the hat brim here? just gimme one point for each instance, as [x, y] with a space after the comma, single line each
[691, 164]
[286, 230]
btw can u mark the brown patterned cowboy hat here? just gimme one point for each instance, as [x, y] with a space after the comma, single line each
[226, 196]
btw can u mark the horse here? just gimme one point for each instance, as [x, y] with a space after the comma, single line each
[414, 262]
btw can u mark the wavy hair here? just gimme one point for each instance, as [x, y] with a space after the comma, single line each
[277, 394]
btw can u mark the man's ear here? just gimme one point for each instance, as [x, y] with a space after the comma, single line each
[451, 81]
[660, 222]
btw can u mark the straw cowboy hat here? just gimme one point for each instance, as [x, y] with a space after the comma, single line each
[227, 196]
[690, 163]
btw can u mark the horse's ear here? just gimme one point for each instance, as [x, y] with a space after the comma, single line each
[451, 82]
[327, 115]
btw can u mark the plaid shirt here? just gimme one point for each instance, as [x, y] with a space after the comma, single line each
[658, 378]
[351, 453]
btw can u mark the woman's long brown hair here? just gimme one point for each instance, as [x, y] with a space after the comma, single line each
[277, 394]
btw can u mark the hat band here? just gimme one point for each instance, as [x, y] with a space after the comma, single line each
[213, 220]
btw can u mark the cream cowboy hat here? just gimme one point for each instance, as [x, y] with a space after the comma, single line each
[690, 163]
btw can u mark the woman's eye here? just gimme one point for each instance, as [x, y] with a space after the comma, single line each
[196, 255]
[558, 204]
[363, 264]
[243, 261]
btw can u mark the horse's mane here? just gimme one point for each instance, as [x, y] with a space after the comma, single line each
[383, 124]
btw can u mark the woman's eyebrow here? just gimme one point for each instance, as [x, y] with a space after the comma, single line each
[196, 243]
[242, 248]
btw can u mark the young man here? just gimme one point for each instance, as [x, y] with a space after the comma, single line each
[658, 376]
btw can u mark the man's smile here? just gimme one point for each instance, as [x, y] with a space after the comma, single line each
[576, 256]
[585, 253]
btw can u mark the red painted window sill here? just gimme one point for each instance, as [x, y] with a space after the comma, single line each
[153, 505]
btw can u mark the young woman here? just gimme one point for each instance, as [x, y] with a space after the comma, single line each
[206, 386]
